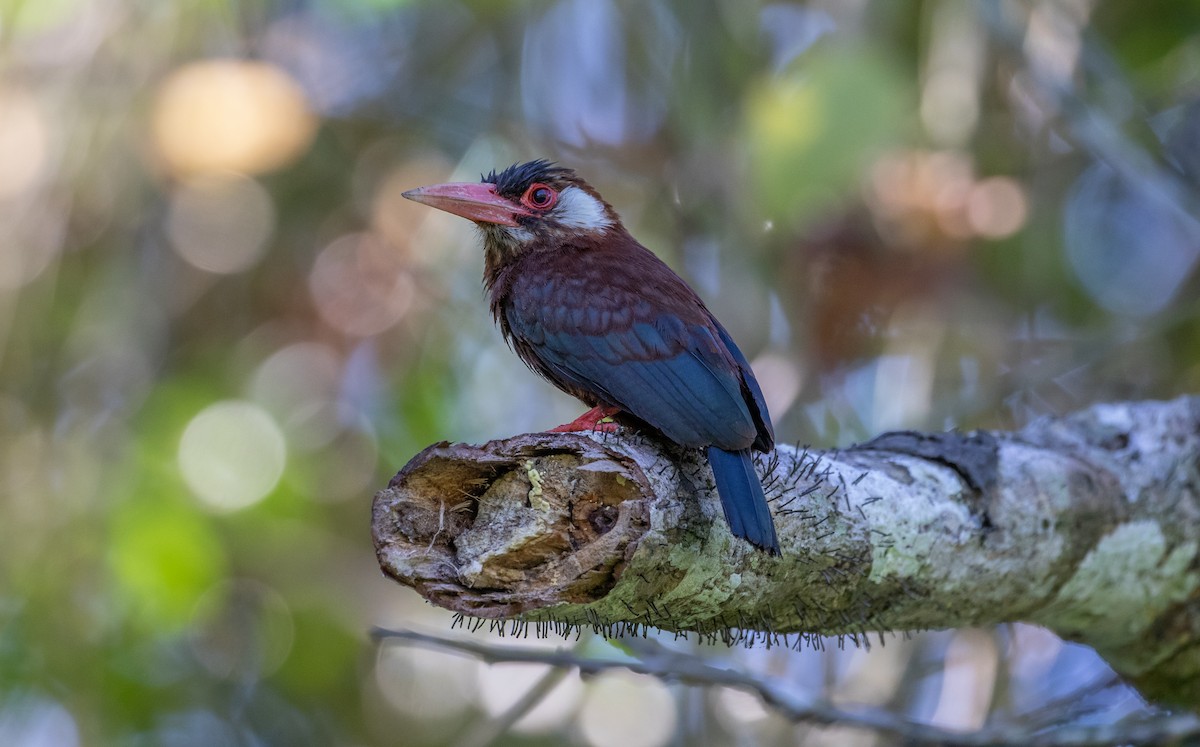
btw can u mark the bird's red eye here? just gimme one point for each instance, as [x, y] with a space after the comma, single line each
[539, 196]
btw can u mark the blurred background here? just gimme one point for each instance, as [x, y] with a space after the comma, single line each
[222, 328]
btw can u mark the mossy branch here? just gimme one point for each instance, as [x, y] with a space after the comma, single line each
[1087, 524]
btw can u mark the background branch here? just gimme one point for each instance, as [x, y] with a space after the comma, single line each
[677, 666]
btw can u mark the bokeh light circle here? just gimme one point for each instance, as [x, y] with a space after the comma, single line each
[997, 207]
[33, 721]
[780, 380]
[360, 286]
[24, 141]
[232, 455]
[502, 687]
[1130, 246]
[425, 685]
[221, 223]
[298, 384]
[627, 710]
[230, 115]
[30, 242]
[242, 629]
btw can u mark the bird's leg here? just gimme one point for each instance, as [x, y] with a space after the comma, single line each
[599, 418]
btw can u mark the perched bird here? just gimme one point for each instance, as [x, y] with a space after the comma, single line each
[602, 318]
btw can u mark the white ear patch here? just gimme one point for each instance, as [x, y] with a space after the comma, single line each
[578, 209]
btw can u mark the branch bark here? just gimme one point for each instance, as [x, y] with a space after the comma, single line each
[1086, 524]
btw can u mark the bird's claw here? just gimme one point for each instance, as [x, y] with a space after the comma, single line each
[599, 419]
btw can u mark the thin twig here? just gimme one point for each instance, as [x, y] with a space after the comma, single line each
[681, 667]
[489, 731]
[1095, 129]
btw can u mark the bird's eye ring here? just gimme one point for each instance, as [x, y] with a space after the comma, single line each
[540, 196]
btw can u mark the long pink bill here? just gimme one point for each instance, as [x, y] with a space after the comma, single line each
[474, 201]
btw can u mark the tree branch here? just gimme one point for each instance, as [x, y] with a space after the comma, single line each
[674, 666]
[1086, 524]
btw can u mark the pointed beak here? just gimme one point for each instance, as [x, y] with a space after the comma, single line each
[474, 201]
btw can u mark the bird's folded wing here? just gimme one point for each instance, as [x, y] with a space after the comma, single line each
[678, 377]
[766, 431]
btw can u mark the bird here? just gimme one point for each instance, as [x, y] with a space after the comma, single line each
[601, 317]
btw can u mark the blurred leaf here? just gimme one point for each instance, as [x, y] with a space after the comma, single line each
[1131, 247]
[323, 659]
[32, 16]
[164, 551]
[164, 557]
[1146, 32]
[813, 128]
[363, 8]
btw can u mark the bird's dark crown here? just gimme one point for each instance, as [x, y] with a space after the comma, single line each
[513, 181]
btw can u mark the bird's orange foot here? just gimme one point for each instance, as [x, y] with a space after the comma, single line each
[596, 419]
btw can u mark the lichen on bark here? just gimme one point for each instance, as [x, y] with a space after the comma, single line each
[1086, 524]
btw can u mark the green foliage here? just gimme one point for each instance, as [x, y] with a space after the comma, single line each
[163, 559]
[813, 128]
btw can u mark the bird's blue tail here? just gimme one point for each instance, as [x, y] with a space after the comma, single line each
[742, 498]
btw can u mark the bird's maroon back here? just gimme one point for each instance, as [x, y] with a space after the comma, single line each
[610, 323]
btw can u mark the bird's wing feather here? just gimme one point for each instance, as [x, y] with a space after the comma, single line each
[766, 431]
[671, 367]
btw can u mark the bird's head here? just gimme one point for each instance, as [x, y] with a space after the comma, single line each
[526, 207]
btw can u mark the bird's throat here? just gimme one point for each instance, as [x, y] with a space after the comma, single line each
[500, 249]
